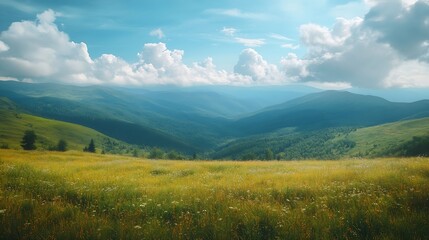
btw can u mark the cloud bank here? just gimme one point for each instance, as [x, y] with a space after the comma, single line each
[389, 47]
[39, 51]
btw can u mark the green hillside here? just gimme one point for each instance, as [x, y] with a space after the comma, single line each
[331, 109]
[392, 139]
[13, 124]
[387, 138]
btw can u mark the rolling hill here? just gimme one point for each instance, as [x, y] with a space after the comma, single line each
[386, 139]
[391, 139]
[13, 124]
[186, 121]
[330, 109]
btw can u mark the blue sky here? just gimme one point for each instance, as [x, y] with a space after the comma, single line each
[236, 42]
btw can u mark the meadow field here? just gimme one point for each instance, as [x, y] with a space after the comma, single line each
[73, 195]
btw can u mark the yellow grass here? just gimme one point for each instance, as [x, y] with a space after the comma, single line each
[46, 194]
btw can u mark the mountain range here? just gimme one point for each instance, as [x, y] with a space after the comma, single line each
[213, 121]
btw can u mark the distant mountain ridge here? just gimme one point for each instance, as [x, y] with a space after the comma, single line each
[331, 109]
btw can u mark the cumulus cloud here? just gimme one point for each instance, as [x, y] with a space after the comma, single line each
[406, 29]
[251, 63]
[413, 74]
[346, 53]
[388, 48]
[293, 67]
[38, 51]
[322, 40]
[157, 33]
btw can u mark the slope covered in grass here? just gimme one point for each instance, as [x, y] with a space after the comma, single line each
[13, 125]
[392, 139]
[86, 196]
[386, 139]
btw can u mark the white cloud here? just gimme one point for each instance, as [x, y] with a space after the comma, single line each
[294, 68]
[157, 33]
[290, 46]
[47, 17]
[37, 51]
[377, 51]
[412, 74]
[159, 65]
[229, 31]
[251, 63]
[250, 42]
[320, 39]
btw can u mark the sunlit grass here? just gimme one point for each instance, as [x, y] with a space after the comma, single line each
[76, 195]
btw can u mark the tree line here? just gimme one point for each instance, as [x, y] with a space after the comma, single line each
[28, 142]
[108, 145]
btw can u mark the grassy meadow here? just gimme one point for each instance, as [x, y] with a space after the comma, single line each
[14, 124]
[382, 140]
[73, 195]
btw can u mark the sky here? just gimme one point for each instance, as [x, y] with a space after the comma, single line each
[330, 44]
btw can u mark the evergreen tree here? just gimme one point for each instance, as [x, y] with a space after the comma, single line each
[28, 140]
[91, 146]
[62, 145]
